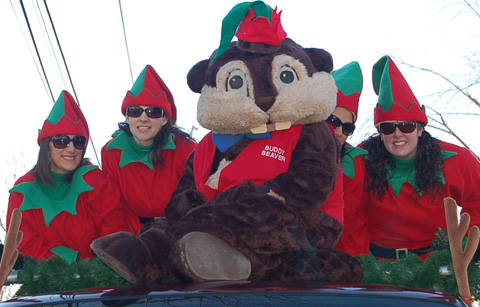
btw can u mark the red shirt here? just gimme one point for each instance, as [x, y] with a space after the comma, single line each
[99, 212]
[148, 191]
[411, 221]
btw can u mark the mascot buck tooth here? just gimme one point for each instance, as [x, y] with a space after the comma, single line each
[249, 205]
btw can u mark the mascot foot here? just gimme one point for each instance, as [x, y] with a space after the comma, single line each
[203, 257]
[128, 256]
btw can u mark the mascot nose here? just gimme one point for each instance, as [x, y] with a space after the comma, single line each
[265, 103]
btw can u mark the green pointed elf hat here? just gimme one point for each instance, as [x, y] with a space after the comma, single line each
[396, 101]
[64, 118]
[150, 90]
[253, 22]
[349, 82]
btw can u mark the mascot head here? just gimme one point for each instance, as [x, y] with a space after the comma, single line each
[264, 81]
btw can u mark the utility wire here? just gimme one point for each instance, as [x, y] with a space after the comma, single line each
[30, 49]
[36, 49]
[125, 36]
[46, 36]
[68, 72]
[61, 51]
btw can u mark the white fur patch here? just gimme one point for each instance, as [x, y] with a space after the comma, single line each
[306, 100]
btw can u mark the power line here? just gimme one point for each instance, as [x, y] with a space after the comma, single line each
[125, 36]
[52, 50]
[30, 49]
[36, 49]
[68, 73]
[61, 52]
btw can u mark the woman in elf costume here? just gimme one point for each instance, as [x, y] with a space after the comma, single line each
[349, 82]
[148, 154]
[408, 174]
[66, 202]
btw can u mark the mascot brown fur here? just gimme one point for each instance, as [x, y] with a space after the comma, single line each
[248, 204]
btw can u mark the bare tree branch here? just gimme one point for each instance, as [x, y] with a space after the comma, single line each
[474, 10]
[463, 90]
[448, 130]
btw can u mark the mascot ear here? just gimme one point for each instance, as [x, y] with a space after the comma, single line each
[196, 76]
[321, 59]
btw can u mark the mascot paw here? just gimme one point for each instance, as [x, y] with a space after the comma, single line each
[202, 257]
[128, 256]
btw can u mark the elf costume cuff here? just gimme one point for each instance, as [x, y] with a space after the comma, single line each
[70, 255]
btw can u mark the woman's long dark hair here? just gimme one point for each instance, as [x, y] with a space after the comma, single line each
[41, 170]
[155, 155]
[428, 167]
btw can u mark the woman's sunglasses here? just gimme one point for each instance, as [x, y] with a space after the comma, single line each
[152, 112]
[404, 127]
[347, 128]
[61, 141]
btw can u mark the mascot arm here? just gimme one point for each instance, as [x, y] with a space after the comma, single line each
[313, 170]
[186, 195]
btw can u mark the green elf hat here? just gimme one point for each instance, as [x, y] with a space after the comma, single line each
[396, 101]
[349, 82]
[253, 22]
[150, 90]
[64, 118]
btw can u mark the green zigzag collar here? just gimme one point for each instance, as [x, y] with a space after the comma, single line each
[35, 198]
[349, 155]
[402, 175]
[132, 152]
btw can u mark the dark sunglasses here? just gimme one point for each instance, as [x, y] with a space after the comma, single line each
[404, 127]
[347, 128]
[152, 112]
[61, 141]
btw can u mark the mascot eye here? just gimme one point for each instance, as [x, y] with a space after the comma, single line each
[237, 82]
[286, 76]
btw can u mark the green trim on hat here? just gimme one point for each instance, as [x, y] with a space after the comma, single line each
[58, 110]
[349, 78]
[382, 80]
[139, 84]
[233, 19]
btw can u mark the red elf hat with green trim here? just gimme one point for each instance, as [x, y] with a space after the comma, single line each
[253, 22]
[349, 82]
[150, 90]
[64, 118]
[396, 101]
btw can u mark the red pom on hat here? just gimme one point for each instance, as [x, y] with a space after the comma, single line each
[150, 90]
[259, 29]
[64, 118]
[396, 101]
[253, 22]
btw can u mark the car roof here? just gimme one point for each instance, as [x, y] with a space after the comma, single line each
[241, 293]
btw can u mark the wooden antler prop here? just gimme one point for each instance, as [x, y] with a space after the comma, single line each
[461, 258]
[12, 241]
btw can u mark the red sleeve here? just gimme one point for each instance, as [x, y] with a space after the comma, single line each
[462, 174]
[34, 243]
[107, 207]
[355, 239]
[110, 164]
[334, 205]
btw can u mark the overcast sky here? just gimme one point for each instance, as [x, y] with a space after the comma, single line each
[172, 36]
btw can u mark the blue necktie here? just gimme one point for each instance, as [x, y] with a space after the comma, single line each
[226, 141]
